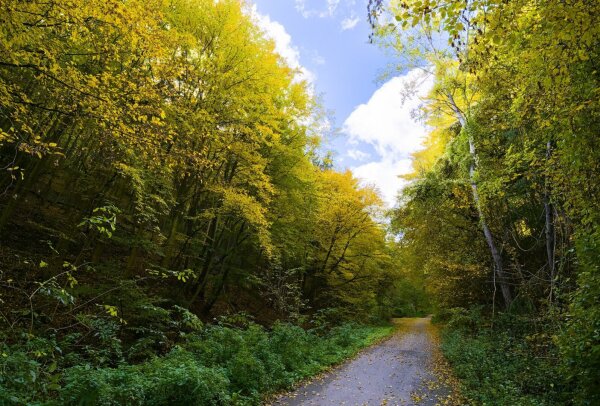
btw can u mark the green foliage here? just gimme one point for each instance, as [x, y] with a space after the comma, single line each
[103, 220]
[174, 379]
[580, 341]
[29, 372]
[166, 149]
[220, 365]
[507, 364]
[259, 361]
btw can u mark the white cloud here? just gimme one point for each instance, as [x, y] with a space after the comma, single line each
[332, 6]
[384, 176]
[349, 23]
[314, 8]
[386, 122]
[283, 44]
[317, 59]
[358, 155]
[343, 11]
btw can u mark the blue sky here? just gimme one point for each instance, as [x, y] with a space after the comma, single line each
[327, 40]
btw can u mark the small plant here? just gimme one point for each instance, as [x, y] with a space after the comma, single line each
[103, 220]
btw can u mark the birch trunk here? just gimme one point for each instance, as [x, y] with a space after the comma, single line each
[549, 210]
[501, 275]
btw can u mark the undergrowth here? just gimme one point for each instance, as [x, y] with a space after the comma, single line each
[218, 365]
[513, 361]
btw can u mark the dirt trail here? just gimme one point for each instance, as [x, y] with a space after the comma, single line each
[399, 371]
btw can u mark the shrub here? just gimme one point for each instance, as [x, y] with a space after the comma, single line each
[217, 365]
[174, 379]
[28, 372]
[580, 341]
[292, 344]
[508, 365]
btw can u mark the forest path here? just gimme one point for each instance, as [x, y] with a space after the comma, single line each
[406, 369]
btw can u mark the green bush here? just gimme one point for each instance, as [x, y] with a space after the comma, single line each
[508, 365]
[219, 365]
[175, 379]
[580, 341]
[28, 372]
[292, 344]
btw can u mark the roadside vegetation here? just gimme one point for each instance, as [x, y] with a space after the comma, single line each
[232, 362]
[501, 218]
[512, 362]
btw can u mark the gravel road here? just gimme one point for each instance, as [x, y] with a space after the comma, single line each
[398, 371]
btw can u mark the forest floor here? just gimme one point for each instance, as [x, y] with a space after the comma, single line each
[406, 369]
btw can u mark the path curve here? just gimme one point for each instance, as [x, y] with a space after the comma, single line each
[398, 371]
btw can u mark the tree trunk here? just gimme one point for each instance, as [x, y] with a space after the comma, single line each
[502, 277]
[549, 209]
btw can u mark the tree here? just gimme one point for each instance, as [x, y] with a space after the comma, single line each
[527, 70]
